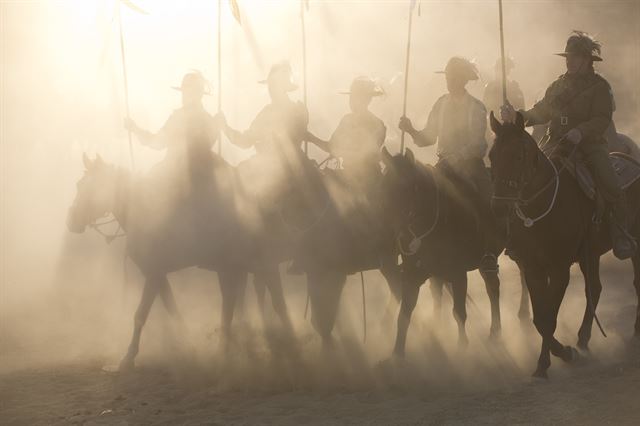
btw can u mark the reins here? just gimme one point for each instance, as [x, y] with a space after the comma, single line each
[416, 241]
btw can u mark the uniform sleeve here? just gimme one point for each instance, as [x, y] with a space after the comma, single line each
[541, 111]
[382, 134]
[429, 135]
[601, 113]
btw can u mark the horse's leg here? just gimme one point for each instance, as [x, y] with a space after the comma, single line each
[537, 284]
[168, 299]
[592, 289]
[523, 312]
[149, 293]
[459, 289]
[231, 282]
[492, 284]
[325, 289]
[260, 286]
[273, 282]
[636, 283]
[392, 273]
[558, 282]
[410, 291]
[436, 293]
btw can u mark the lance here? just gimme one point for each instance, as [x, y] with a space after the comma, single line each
[505, 101]
[125, 82]
[412, 5]
[219, 72]
[304, 5]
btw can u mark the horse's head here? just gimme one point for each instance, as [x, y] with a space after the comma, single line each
[399, 186]
[514, 158]
[95, 194]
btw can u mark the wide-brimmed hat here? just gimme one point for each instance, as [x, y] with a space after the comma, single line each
[281, 75]
[364, 86]
[193, 82]
[583, 44]
[462, 67]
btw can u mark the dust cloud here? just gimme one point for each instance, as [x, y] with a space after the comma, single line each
[67, 298]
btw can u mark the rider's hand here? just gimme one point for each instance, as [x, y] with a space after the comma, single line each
[507, 113]
[405, 125]
[130, 125]
[574, 136]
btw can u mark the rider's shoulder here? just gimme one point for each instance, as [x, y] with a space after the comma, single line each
[477, 103]
[600, 78]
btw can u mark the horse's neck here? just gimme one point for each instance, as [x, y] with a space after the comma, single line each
[123, 186]
[541, 179]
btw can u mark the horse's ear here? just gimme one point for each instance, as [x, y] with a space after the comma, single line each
[519, 120]
[495, 124]
[86, 161]
[408, 154]
[386, 156]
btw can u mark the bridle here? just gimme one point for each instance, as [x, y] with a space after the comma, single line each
[523, 182]
[416, 240]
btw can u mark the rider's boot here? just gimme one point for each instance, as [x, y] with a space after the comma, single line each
[624, 245]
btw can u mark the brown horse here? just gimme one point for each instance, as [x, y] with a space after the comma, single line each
[552, 229]
[205, 229]
[439, 236]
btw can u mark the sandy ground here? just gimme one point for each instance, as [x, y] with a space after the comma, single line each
[52, 379]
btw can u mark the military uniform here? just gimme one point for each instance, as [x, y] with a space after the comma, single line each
[458, 126]
[492, 97]
[583, 102]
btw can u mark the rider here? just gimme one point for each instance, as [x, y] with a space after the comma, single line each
[188, 134]
[357, 140]
[458, 123]
[579, 107]
[279, 129]
[492, 98]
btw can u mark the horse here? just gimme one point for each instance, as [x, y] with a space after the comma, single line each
[444, 241]
[339, 234]
[553, 228]
[203, 229]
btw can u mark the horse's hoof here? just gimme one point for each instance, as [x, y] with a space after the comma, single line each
[495, 335]
[540, 374]
[583, 345]
[126, 365]
[570, 354]
[463, 342]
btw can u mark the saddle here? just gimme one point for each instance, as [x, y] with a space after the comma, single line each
[626, 168]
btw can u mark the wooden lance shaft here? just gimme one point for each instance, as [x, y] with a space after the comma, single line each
[505, 101]
[126, 85]
[406, 75]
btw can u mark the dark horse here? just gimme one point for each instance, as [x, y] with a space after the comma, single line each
[207, 228]
[439, 236]
[553, 228]
[340, 232]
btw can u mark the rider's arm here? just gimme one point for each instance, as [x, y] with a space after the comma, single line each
[429, 135]
[601, 111]
[320, 143]
[153, 140]
[541, 111]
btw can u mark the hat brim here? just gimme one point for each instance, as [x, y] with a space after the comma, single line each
[179, 89]
[593, 57]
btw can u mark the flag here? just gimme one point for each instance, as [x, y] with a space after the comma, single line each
[133, 7]
[235, 9]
